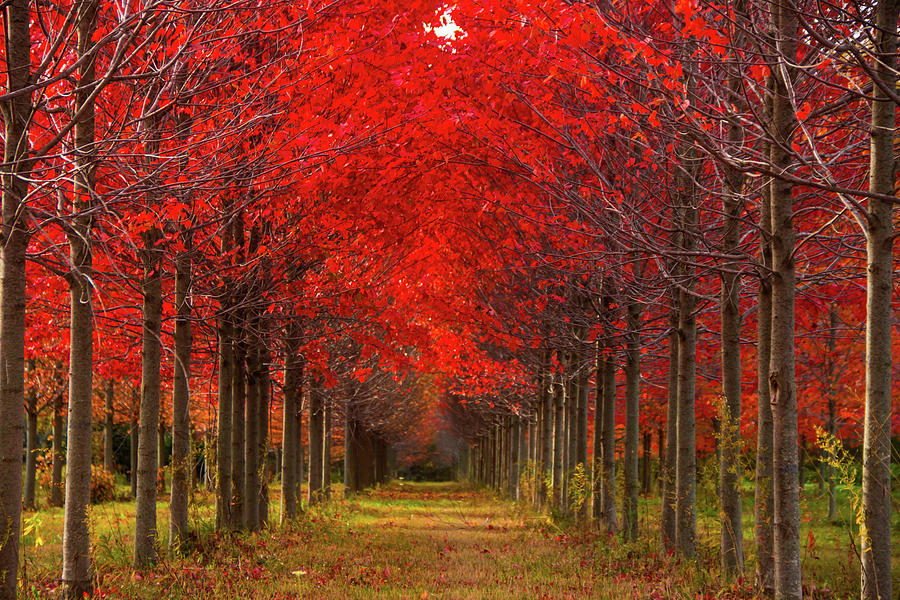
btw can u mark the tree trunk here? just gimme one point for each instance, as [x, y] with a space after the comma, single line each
[251, 442]
[17, 112]
[608, 472]
[76, 568]
[764, 501]
[782, 383]
[667, 472]
[108, 459]
[496, 467]
[660, 458]
[570, 407]
[832, 408]
[290, 435]
[181, 417]
[224, 422]
[597, 450]
[502, 445]
[558, 440]
[351, 483]
[134, 433]
[31, 418]
[521, 456]
[512, 450]
[145, 511]
[686, 461]
[57, 488]
[381, 452]
[161, 456]
[646, 442]
[581, 419]
[729, 465]
[263, 438]
[546, 472]
[316, 444]
[301, 458]
[279, 456]
[632, 420]
[238, 430]
[326, 453]
[875, 547]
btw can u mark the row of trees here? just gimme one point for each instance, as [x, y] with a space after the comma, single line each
[694, 148]
[185, 173]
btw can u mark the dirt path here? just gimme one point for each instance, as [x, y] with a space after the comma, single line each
[442, 541]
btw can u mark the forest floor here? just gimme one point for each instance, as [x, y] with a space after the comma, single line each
[404, 540]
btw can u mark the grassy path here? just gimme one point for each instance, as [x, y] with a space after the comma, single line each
[403, 541]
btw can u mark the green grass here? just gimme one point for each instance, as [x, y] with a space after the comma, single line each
[423, 540]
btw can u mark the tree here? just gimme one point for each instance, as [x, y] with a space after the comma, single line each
[76, 575]
[16, 109]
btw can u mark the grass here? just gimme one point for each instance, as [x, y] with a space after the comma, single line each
[421, 540]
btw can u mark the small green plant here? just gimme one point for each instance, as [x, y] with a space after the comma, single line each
[845, 472]
[579, 488]
[31, 530]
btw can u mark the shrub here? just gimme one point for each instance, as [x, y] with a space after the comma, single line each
[103, 485]
[45, 474]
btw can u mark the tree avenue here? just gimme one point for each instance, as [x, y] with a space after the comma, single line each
[626, 263]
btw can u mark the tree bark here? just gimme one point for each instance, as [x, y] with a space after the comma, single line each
[875, 547]
[108, 459]
[290, 435]
[316, 444]
[521, 455]
[512, 450]
[351, 479]
[238, 429]
[597, 450]
[782, 382]
[764, 501]
[667, 473]
[263, 438]
[686, 460]
[632, 420]
[31, 416]
[181, 417]
[546, 472]
[148, 460]
[581, 420]
[14, 230]
[646, 442]
[224, 421]
[558, 440]
[326, 452]
[76, 568]
[57, 488]
[832, 408]
[134, 433]
[301, 458]
[608, 472]
[729, 466]
[570, 408]
[161, 456]
[251, 442]
[660, 458]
